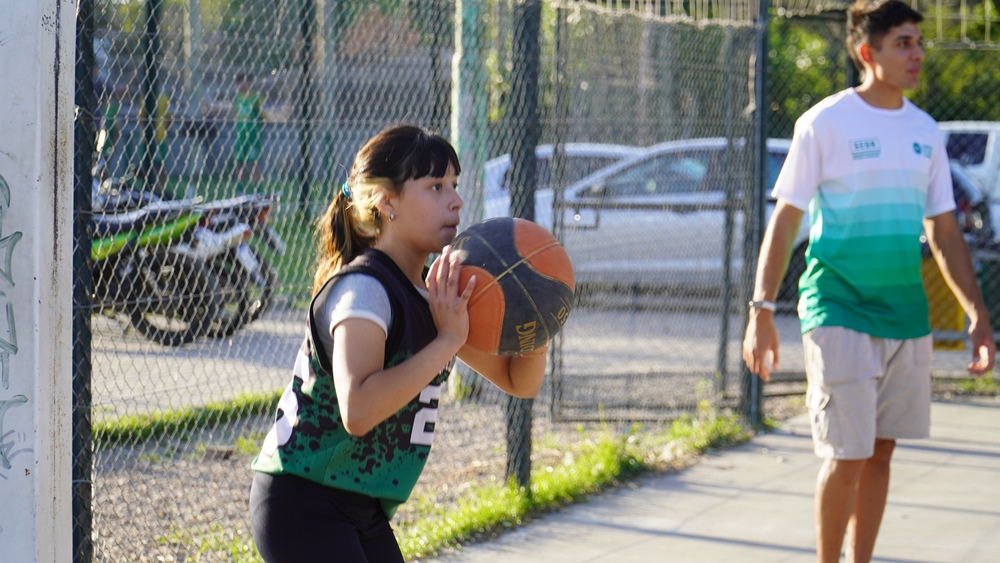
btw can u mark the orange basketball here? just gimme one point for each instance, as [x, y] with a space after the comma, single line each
[524, 285]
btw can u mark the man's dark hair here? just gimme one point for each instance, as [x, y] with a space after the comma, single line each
[868, 21]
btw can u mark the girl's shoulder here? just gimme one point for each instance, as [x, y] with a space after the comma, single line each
[351, 296]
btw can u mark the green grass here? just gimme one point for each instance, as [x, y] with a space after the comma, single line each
[593, 462]
[985, 385]
[143, 427]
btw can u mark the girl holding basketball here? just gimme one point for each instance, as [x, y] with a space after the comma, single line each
[353, 428]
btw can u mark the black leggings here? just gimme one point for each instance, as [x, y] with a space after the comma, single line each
[298, 521]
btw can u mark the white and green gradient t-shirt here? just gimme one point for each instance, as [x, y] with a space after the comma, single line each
[868, 177]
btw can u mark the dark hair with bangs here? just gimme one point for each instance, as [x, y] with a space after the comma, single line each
[406, 153]
[868, 21]
[390, 158]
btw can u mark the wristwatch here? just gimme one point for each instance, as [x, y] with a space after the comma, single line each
[767, 305]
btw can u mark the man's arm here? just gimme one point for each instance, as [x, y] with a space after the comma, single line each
[953, 258]
[775, 250]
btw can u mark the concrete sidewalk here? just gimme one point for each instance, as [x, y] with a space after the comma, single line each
[754, 503]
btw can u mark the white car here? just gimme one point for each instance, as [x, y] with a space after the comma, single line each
[582, 159]
[656, 219]
[976, 145]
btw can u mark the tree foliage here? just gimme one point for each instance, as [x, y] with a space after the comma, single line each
[805, 64]
[961, 77]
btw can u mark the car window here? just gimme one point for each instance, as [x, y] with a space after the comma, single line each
[673, 173]
[967, 148]
[576, 167]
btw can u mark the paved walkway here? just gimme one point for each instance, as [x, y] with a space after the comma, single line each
[754, 503]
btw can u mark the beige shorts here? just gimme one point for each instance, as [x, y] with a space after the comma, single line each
[862, 388]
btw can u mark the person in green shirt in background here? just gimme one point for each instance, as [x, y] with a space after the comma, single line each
[248, 111]
[156, 177]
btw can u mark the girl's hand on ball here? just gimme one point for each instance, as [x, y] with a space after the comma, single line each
[449, 308]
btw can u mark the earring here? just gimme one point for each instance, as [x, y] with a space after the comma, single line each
[392, 215]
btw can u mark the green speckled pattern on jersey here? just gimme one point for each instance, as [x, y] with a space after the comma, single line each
[308, 438]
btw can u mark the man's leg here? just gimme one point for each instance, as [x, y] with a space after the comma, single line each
[843, 368]
[869, 504]
[836, 488]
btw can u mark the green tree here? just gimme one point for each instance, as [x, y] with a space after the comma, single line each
[804, 66]
[961, 77]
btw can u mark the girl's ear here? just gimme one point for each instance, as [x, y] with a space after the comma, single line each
[384, 201]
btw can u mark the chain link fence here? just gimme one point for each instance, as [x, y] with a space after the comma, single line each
[231, 121]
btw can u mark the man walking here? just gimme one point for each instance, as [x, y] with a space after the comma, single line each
[871, 170]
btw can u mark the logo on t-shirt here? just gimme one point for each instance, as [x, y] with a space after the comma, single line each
[922, 150]
[865, 148]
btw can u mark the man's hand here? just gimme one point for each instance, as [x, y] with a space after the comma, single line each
[984, 348]
[760, 345]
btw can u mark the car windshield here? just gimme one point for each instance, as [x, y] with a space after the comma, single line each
[967, 148]
[686, 172]
[673, 173]
[576, 168]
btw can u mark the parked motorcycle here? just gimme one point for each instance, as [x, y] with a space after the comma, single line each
[246, 280]
[167, 296]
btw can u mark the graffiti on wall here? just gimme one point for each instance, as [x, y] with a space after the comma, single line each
[12, 442]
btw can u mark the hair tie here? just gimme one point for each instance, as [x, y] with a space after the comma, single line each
[346, 190]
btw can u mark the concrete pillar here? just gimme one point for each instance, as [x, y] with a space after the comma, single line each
[37, 66]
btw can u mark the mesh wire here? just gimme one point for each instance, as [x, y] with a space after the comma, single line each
[176, 424]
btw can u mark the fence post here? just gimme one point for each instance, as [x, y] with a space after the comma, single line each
[729, 224]
[468, 112]
[752, 387]
[37, 64]
[525, 123]
[84, 135]
[561, 81]
[306, 99]
[151, 89]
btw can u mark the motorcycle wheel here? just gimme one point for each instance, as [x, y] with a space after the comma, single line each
[176, 302]
[234, 301]
[261, 289]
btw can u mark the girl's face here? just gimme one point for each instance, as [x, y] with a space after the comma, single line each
[426, 211]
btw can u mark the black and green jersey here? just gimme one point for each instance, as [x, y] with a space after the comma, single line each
[308, 438]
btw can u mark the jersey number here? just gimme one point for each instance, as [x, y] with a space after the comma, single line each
[425, 417]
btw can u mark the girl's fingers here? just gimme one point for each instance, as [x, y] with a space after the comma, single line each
[455, 268]
[467, 293]
[433, 271]
[444, 270]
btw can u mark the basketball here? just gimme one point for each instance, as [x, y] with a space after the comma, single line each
[524, 285]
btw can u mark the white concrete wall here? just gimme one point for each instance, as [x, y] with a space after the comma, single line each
[36, 131]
